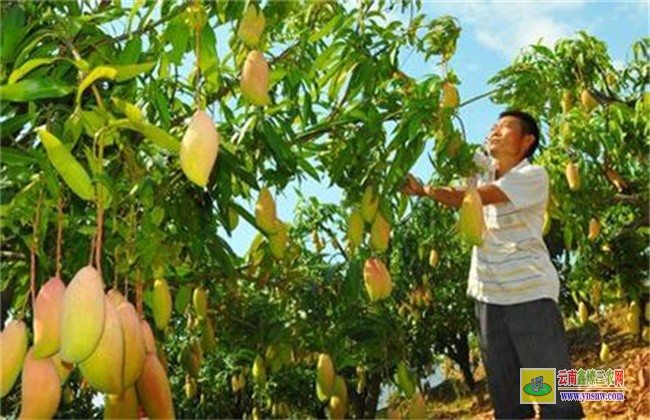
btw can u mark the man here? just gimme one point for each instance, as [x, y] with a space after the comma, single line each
[511, 277]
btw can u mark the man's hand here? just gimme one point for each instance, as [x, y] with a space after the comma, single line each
[412, 186]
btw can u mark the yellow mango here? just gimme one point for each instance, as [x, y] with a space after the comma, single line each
[41, 388]
[47, 318]
[325, 375]
[265, 214]
[450, 97]
[103, 369]
[377, 279]
[255, 79]
[148, 337]
[199, 148]
[336, 408]
[380, 233]
[588, 100]
[369, 204]
[122, 406]
[433, 258]
[417, 407]
[259, 371]
[355, 229]
[251, 26]
[594, 229]
[134, 345]
[83, 316]
[583, 313]
[604, 353]
[200, 301]
[161, 303]
[278, 240]
[154, 392]
[13, 346]
[471, 224]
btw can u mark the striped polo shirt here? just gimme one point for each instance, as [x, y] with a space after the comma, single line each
[513, 264]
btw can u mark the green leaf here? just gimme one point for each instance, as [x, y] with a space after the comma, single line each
[132, 112]
[178, 35]
[32, 89]
[18, 73]
[10, 125]
[158, 136]
[130, 71]
[13, 156]
[13, 22]
[208, 61]
[327, 29]
[67, 166]
[101, 72]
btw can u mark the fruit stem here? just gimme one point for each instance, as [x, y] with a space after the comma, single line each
[59, 238]
[32, 250]
[197, 52]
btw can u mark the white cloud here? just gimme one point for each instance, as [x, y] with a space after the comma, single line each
[506, 27]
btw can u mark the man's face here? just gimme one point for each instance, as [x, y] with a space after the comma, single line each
[507, 139]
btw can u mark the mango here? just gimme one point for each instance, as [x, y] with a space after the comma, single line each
[647, 312]
[546, 224]
[471, 223]
[154, 392]
[594, 229]
[325, 375]
[62, 368]
[122, 406]
[567, 101]
[572, 176]
[380, 233]
[355, 229]
[233, 218]
[588, 100]
[83, 316]
[148, 337]
[278, 240]
[336, 408]
[41, 388]
[134, 345]
[13, 346]
[259, 371]
[47, 318]
[189, 387]
[255, 79]
[369, 204]
[161, 303]
[393, 414]
[450, 97]
[200, 302]
[417, 407]
[583, 313]
[251, 26]
[596, 291]
[403, 379]
[182, 299]
[604, 353]
[265, 213]
[208, 340]
[103, 369]
[433, 258]
[377, 279]
[340, 390]
[199, 148]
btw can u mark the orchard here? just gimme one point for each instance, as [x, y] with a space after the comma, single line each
[132, 149]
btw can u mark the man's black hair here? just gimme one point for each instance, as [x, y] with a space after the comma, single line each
[529, 126]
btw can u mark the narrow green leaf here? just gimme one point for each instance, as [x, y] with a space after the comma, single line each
[20, 72]
[101, 72]
[327, 29]
[28, 90]
[158, 136]
[132, 112]
[129, 71]
[67, 166]
[13, 22]
[13, 156]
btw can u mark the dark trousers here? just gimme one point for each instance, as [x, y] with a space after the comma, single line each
[525, 335]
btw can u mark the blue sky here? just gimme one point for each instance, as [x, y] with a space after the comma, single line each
[492, 34]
